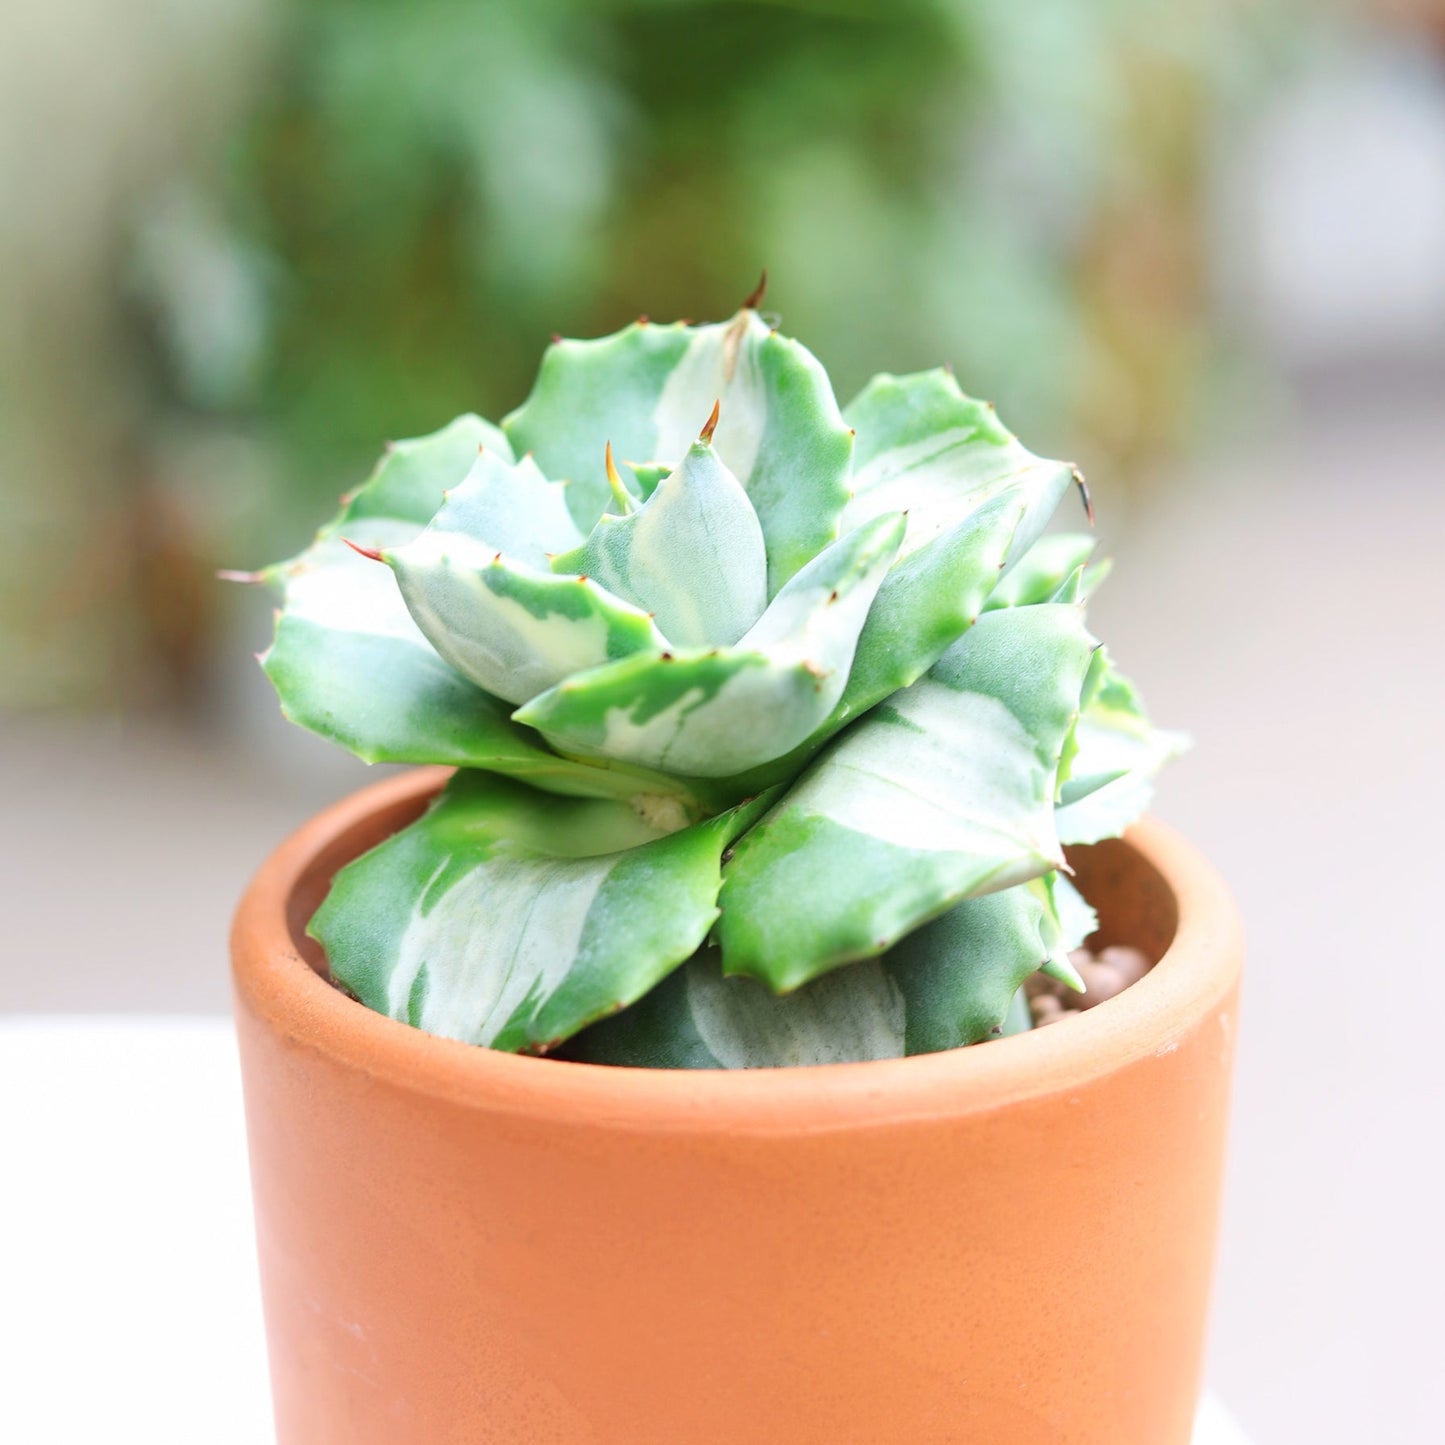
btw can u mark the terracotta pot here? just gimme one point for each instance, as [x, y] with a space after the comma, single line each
[1009, 1244]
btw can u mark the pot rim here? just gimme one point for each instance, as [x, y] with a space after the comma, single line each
[274, 982]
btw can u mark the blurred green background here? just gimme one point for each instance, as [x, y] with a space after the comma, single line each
[332, 222]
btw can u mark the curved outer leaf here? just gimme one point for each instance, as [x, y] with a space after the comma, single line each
[692, 555]
[929, 600]
[947, 984]
[976, 501]
[716, 713]
[924, 447]
[343, 626]
[943, 793]
[508, 627]
[961, 972]
[1117, 753]
[348, 662]
[982, 500]
[512, 918]
[648, 389]
[1044, 568]
[409, 482]
[699, 1019]
[509, 507]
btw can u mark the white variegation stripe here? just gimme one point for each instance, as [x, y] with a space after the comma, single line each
[333, 587]
[492, 638]
[919, 783]
[504, 933]
[760, 708]
[937, 481]
[719, 365]
[750, 704]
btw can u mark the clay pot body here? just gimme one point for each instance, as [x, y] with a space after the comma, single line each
[1009, 1244]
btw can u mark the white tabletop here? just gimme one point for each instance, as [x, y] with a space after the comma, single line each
[129, 1306]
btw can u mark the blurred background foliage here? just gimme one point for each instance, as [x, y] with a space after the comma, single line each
[357, 218]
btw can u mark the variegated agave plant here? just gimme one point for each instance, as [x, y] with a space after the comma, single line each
[768, 741]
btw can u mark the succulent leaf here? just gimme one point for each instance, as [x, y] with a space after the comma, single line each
[347, 660]
[511, 629]
[978, 501]
[509, 507]
[513, 918]
[943, 793]
[718, 712]
[698, 1018]
[947, 984]
[349, 663]
[936, 593]
[649, 388]
[648, 475]
[692, 555]
[408, 482]
[1116, 754]
[1044, 568]
[924, 448]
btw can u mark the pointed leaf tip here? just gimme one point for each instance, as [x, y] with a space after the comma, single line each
[372, 553]
[625, 500]
[710, 425]
[755, 298]
[1083, 487]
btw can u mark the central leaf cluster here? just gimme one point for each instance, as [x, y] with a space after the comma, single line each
[701, 621]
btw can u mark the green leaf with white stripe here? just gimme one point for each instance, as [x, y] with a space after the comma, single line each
[976, 503]
[947, 984]
[511, 629]
[718, 712]
[692, 555]
[648, 389]
[349, 663]
[513, 918]
[1117, 754]
[478, 585]
[931, 597]
[924, 447]
[944, 792]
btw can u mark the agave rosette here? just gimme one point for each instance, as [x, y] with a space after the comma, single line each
[768, 737]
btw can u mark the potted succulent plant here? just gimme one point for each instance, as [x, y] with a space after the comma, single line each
[782, 742]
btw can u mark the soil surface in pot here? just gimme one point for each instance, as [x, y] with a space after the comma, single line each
[1106, 974]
